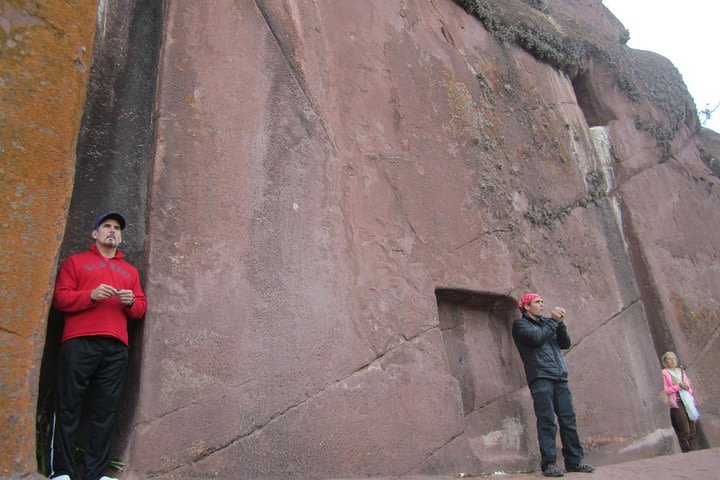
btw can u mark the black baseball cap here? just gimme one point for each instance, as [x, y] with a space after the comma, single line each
[114, 215]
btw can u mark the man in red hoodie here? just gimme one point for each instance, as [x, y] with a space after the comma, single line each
[98, 291]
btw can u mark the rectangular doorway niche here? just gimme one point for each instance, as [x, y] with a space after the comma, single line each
[498, 425]
[477, 335]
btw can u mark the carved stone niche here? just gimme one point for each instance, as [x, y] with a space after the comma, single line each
[477, 334]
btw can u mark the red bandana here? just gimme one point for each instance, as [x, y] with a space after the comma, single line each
[525, 301]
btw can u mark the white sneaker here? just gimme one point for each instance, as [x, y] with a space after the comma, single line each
[102, 478]
[62, 477]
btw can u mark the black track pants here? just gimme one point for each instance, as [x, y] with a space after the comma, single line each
[91, 368]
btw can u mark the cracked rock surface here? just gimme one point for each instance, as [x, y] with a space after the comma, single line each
[347, 197]
[338, 203]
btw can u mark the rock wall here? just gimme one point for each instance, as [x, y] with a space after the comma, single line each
[346, 198]
[112, 166]
[387, 177]
[45, 54]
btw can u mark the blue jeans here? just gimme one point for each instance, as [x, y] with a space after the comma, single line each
[551, 398]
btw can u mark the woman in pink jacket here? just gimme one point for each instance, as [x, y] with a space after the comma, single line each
[678, 390]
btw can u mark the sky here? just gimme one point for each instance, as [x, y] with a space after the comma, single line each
[684, 32]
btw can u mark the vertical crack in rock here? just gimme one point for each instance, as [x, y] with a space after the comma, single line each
[399, 200]
[102, 14]
[113, 161]
[649, 294]
[443, 27]
[300, 81]
[601, 141]
[292, 65]
[285, 49]
[658, 324]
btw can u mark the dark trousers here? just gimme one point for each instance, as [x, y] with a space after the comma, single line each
[550, 399]
[91, 369]
[684, 428]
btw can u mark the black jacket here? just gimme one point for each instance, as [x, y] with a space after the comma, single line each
[539, 343]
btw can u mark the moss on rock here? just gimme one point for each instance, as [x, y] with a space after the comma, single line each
[569, 44]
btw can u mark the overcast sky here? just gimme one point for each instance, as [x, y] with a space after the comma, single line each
[684, 32]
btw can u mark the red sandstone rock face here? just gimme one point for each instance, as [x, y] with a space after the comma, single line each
[45, 52]
[347, 197]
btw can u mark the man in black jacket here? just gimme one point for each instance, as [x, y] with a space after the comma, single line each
[539, 340]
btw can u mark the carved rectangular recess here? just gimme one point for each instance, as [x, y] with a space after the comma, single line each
[477, 333]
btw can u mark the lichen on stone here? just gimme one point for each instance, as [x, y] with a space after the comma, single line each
[569, 44]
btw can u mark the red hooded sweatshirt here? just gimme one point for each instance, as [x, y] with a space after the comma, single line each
[78, 276]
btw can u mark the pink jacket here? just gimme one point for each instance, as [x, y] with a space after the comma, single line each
[671, 387]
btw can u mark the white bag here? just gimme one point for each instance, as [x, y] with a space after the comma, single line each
[689, 403]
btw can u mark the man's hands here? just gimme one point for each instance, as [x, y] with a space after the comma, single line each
[126, 297]
[558, 313]
[103, 291]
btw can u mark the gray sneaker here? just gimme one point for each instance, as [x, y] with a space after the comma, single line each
[582, 468]
[552, 470]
